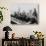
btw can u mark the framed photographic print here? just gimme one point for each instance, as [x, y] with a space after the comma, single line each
[25, 13]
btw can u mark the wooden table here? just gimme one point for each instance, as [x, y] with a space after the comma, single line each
[25, 42]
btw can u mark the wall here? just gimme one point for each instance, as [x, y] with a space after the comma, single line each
[23, 30]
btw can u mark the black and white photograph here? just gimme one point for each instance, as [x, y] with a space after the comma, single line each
[25, 14]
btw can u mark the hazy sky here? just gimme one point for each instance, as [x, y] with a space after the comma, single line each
[22, 7]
